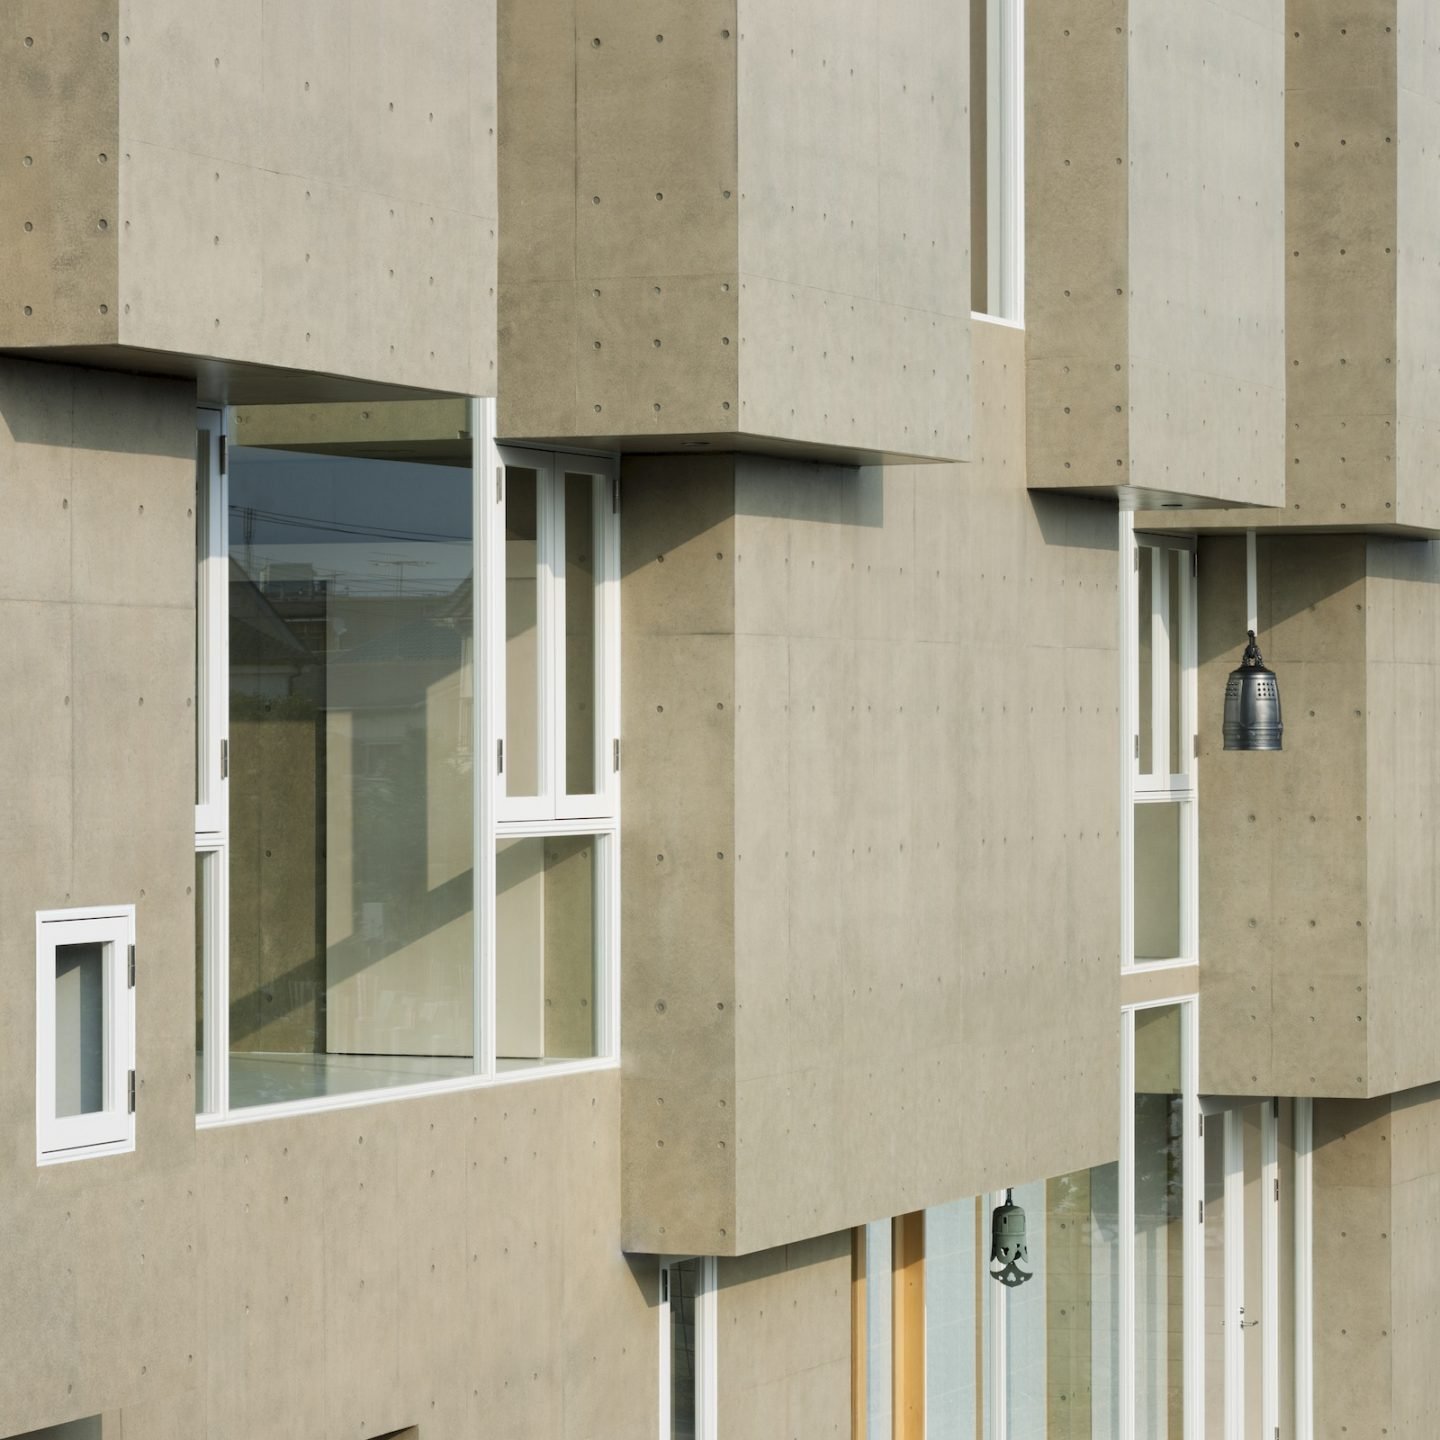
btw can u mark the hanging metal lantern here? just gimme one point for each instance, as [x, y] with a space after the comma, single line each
[1252, 704]
[1007, 1244]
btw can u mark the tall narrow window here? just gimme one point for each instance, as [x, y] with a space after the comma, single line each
[84, 1033]
[557, 758]
[1160, 640]
[687, 1349]
[997, 148]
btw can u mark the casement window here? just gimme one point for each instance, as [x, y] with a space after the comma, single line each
[373, 910]
[997, 159]
[84, 1032]
[1161, 863]
[688, 1349]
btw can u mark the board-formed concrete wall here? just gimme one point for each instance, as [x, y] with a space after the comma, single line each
[222, 182]
[1155, 250]
[735, 222]
[871, 912]
[1319, 920]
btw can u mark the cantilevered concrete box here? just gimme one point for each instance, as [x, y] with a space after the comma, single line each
[871, 913]
[1319, 872]
[1362, 269]
[738, 222]
[1155, 249]
[226, 189]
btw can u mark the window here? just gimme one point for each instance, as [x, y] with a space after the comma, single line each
[85, 1032]
[1162, 868]
[688, 1345]
[372, 909]
[997, 158]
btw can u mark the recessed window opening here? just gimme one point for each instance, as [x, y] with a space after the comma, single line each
[688, 1349]
[85, 1033]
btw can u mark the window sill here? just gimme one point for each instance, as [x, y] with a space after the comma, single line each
[288, 1109]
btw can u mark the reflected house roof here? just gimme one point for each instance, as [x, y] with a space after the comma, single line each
[259, 634]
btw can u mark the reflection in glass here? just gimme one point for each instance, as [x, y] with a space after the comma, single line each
[1027, 1324]
[952, 1335]
[351, 724]
[1215, 1298]
[202, 909]
[684, 1285]
[546, 949]
[203, 719]
[1177, 569]
[1145, 653]
[1159, 1231]
[1158, 842]
[580, 609]
[878, 1328]
[79, 1029]
[522, 631]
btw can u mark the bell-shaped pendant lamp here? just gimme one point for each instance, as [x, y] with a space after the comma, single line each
[1252, 694]
[1007, 1244]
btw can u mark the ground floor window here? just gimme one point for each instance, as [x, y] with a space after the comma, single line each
[1164, 1294]
[688, 1345]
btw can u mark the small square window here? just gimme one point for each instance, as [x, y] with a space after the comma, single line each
[85, 1032]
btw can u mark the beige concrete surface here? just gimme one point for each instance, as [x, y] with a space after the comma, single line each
[1154, 251]
[449, 1263]
[1318, 889]
[860, 711]
[742, 231]
[784, 1342]
[223, 182]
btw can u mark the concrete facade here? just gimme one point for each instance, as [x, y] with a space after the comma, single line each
[873, 668]
[812, 637]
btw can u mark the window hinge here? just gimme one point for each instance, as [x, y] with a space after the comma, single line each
[1202, 1212]
[1195, 745]
[224, 759]
[1277, 1189]
[1275, 1106]
[132, 1093]
[132, 967]
[224, 453]
[616, 752]
[499, 757]
[1194, 563]
[499, 484]
[615, 497]
[1136, 554]
[1137, 747]
[1201, 1119]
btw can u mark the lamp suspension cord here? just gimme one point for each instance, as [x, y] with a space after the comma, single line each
[1252, 606]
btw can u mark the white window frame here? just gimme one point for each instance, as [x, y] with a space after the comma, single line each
[553, 802]
[707, 1408]
[597, 816]
[1173, 786]
[110, 1131]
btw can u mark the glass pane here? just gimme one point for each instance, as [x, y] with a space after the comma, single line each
[202, 914]
[1027, 1324]
[953, 1297]
[1215, 1277]
[684, 1284]
[1082, 1302]
[580, 608]
[1251, 1119]
[878, 1332]
[1159, 1232]
[546, 949]
[202, 530]
[1144, 648]
[1158, 837]
[79, 1029]
[1286, 1257]
[522, 631]
[351, 766]
[1178, 570]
